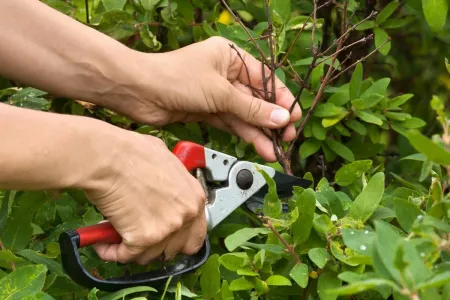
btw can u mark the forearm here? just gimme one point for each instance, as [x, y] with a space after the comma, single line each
[43, 150]
[51, 51]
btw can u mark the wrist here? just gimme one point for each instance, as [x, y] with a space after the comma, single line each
[132, 78]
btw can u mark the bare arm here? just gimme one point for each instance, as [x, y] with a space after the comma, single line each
[49, 151]
[51, 51]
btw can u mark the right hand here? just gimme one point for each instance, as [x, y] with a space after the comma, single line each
[149, 197]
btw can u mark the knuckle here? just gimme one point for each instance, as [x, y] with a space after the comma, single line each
[254, 108]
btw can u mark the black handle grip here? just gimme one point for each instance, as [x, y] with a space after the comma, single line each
[71, 262]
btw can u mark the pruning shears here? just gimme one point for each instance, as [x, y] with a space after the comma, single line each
[240, 182]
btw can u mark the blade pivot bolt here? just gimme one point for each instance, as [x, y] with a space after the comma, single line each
[244, 179]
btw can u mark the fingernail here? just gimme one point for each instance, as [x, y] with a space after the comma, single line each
[279, 116]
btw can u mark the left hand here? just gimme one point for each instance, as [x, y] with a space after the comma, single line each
[207, 81]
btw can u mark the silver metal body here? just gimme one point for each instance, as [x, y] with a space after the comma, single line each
[223, 201]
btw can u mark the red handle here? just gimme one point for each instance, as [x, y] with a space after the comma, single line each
[102, 233]
[190, 154]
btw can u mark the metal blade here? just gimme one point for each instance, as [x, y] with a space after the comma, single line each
[285, 185]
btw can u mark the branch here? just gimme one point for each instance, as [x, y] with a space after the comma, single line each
[263, 57]
[360, 60]
[363, 40]
[349, 30]
[285, 243]
[299, 32]
[321, 88]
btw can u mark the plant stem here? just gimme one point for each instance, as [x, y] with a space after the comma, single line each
[263, 57]
[285, 243]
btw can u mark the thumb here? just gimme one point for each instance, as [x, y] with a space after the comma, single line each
[256, 111]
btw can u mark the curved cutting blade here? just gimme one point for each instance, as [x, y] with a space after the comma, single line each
[285, 186]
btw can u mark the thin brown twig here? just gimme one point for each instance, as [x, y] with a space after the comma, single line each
[243, 62]
[362, 40]
[300, 32]
[372, 14]
[360, 60]
[313, 46]
[320, 91]
[285, 243]
[263, 57]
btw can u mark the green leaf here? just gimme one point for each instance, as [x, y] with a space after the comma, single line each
[93, 294]
[340, 149]
[358, 240]
[436, 281]
[318, 131]
[38, 258]
[306, 204]
[300, 274]
[241, 236]
[278, 280]
[435, 12]
[319, 256]
[328, 281]
[241, 284]
[326, 110]
[118, 24]
[386, 12]
[46, 213]
[281, 9]
[25, 281]
[340, 98]
[246, 272]
[356, 126]
[347, 174]
[149, 5]
[432, 150]
[6, 257]
[149, 39]
[113, 4]
[413, 123]
[367, 201]
[91, 216]
[18, 231]
[309, 147]
[272, 204]
[327, 122]
[361, 286]
[381, 37]
[355, 82]
[127, 291]
[234, 261]
[226, 293]
[378, 87]
[399, 100]
[406, 213]
[5, 208]
[210, 277]
[447, 65]
[369, 24]
[368, 117]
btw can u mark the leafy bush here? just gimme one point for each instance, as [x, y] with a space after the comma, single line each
[374, 140]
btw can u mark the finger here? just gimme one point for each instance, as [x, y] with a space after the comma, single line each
[255, 111]
[188, 240]
[289, 133]
[153, 253]
[250, 134]
[253, 69]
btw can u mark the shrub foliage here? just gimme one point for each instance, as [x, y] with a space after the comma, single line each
[372, 80]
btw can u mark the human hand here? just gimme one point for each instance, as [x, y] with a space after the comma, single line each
[206, 81]
[149, 197]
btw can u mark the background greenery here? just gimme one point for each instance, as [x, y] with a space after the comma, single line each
[373, 225]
